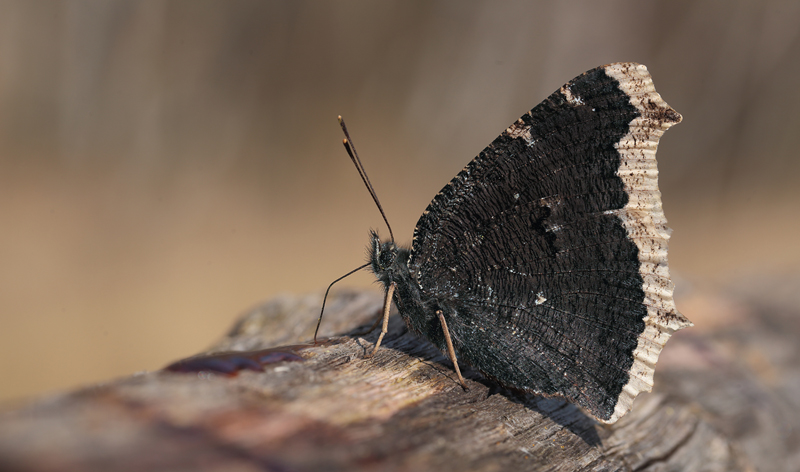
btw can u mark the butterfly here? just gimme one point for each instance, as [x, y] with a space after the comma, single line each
[543, 263]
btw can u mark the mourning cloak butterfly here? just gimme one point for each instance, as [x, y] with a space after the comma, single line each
[543, 263]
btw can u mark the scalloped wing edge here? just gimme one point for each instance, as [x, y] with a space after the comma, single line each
[643, 219]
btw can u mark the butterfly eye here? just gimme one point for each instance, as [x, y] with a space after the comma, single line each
[387, 256]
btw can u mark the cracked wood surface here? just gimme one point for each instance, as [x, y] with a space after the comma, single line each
[725, 399]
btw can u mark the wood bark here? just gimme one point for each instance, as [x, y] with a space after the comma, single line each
[726, 399]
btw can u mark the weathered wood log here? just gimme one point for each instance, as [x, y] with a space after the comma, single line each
[724, 400]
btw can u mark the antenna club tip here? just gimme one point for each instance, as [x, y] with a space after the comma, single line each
[339, 118]
[344, 141]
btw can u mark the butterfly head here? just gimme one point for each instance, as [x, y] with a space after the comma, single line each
[382, 258]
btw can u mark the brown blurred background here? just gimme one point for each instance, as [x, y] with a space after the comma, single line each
[164, 165]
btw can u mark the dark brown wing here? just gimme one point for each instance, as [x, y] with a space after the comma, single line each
[549, 248]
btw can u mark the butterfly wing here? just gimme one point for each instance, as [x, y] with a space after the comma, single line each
[548, 251]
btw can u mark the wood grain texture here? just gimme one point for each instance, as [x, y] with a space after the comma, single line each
[724, 400]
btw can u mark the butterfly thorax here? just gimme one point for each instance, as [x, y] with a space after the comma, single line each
[389, 263]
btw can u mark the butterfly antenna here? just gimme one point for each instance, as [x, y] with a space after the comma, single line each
[351, 151]
[319, 321]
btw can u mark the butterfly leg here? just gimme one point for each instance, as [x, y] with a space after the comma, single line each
[450, 350]
[387, 305]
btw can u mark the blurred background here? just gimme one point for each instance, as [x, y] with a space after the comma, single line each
[165, 165]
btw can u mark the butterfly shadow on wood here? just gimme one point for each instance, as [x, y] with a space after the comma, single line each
[401, 350]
